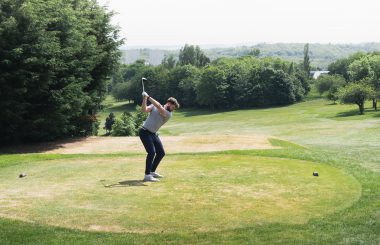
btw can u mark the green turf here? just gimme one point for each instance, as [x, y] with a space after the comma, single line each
[343, 146]
[216, 192]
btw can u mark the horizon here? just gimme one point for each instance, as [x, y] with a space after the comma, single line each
[212, 46]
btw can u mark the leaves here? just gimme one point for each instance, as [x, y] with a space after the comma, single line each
[55, 59]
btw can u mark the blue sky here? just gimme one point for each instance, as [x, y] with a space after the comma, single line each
[234, 22]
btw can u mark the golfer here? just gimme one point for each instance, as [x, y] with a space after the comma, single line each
[158, 116]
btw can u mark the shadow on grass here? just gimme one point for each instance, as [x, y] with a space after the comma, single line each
[368, 112]
[190, 112]
[125, 183]
[40, 147]
[348, 113]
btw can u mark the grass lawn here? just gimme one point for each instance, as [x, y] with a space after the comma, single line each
[228, 197]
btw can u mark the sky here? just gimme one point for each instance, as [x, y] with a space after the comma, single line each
[237, 22]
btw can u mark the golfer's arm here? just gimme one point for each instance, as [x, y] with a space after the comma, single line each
[157, 104]
[144, 107]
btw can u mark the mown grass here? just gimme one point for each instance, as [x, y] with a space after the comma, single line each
[312, 131]
[357, 224]
[216, 192]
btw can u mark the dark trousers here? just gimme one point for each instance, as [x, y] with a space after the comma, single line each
[154, 148]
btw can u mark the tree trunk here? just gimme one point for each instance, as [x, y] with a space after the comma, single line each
[374, 104]
[361, 108]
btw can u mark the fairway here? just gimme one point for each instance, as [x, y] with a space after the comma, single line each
[207, 192]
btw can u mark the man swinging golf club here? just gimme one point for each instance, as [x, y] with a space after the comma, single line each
[158, 116]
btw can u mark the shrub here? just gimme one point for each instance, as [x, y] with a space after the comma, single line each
[129, 123]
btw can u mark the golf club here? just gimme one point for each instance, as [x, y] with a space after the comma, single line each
[142, 82]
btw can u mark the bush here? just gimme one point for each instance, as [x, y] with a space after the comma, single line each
[86, 125]
[124, 126]
[129, 123]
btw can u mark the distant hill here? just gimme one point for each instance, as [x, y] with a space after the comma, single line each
[320, 54]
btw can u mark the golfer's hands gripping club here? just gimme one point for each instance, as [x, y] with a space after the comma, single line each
[145, 94]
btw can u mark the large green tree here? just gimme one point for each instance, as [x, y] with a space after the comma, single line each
[356, 93]
[182, 84]
[340, 66]
[212, 87]
[55, 58]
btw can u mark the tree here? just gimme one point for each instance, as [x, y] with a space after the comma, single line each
[375, 80]
[356, 93]
[169, 62]
[340, 66]
[211, 89]
[278, 88]
[337, 82]
[183, 81]
[192, 55]
[367, 69]
[360, 69]
[121, 91]
[110, 120]
[333, 94]
[329, 83]
[306, 59]
[254, 52]
[54, 67]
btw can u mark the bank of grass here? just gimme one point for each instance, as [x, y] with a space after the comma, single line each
[312, 131]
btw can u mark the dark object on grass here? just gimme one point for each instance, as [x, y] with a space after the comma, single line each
[110, 120]
[22, 175]
[315, 173]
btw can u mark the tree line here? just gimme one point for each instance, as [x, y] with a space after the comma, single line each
[243, 82]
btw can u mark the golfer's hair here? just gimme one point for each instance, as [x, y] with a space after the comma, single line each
[173, 101]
